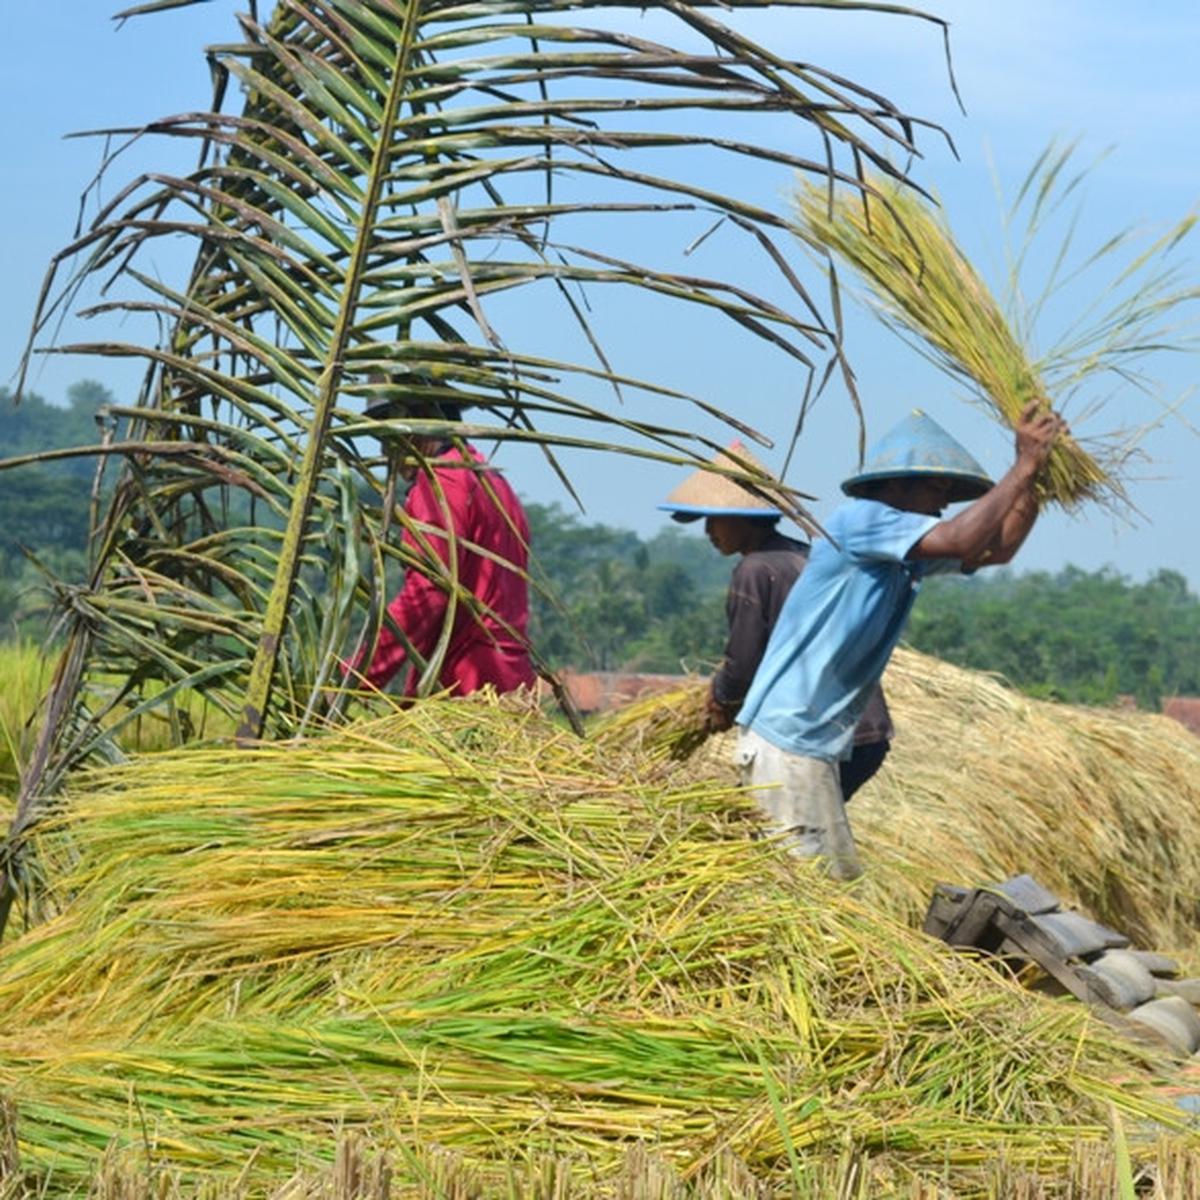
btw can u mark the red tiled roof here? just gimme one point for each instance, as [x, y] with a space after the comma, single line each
[1185, 710]
[600, 691]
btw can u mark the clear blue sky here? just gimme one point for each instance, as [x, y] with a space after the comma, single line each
[1029, 70]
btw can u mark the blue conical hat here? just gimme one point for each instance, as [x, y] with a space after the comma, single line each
[917, 448]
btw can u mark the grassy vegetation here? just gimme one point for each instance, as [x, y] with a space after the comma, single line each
[24, 674]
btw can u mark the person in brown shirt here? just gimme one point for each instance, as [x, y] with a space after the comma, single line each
[739, 522]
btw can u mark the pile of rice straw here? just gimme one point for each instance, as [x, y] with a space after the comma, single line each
[1100, 805]
[461, 932]
[921, 282]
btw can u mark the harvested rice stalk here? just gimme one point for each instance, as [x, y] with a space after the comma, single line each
[671, 725]
[920, 281]
[464, 928]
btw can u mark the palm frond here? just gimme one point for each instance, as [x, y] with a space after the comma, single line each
[399, 188]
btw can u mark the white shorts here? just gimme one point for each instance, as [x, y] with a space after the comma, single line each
[802, 801]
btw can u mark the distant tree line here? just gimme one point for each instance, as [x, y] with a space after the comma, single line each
[606, 599]
[44, 508]
[1083, 636]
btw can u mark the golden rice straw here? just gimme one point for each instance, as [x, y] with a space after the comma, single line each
[1100, 805]
[464, 928]
[671, 725]
[922, 282]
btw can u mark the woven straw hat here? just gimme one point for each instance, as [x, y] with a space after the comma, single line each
[706, 494]
[919, 448]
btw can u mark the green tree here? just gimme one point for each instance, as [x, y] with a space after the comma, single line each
[1082, 636]
[45, 506]
[385, 177]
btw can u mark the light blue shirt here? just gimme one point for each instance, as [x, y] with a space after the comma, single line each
[838, 628]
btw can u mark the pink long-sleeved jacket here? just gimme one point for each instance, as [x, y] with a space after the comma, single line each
[461, 494]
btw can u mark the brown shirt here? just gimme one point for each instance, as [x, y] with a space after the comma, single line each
[757, 589]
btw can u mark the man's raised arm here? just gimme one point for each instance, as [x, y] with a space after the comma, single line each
[991, 530]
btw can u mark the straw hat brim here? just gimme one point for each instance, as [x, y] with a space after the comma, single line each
[711, 493]
[685, 513]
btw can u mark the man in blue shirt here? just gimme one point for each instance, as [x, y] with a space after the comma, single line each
[844, 617]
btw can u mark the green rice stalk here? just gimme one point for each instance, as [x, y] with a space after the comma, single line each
[462, 927]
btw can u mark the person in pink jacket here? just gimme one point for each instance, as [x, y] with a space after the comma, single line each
[464, 519]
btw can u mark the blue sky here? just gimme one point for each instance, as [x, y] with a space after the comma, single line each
[1113, 77]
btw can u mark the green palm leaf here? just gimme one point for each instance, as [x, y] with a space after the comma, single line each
[396, 178]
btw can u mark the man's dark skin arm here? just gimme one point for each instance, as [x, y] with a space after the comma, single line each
[717, 716]
[991, 530]
[743, 652]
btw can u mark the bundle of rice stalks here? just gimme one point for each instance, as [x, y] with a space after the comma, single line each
[670, 726]
[922, 284]
[462, 930]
